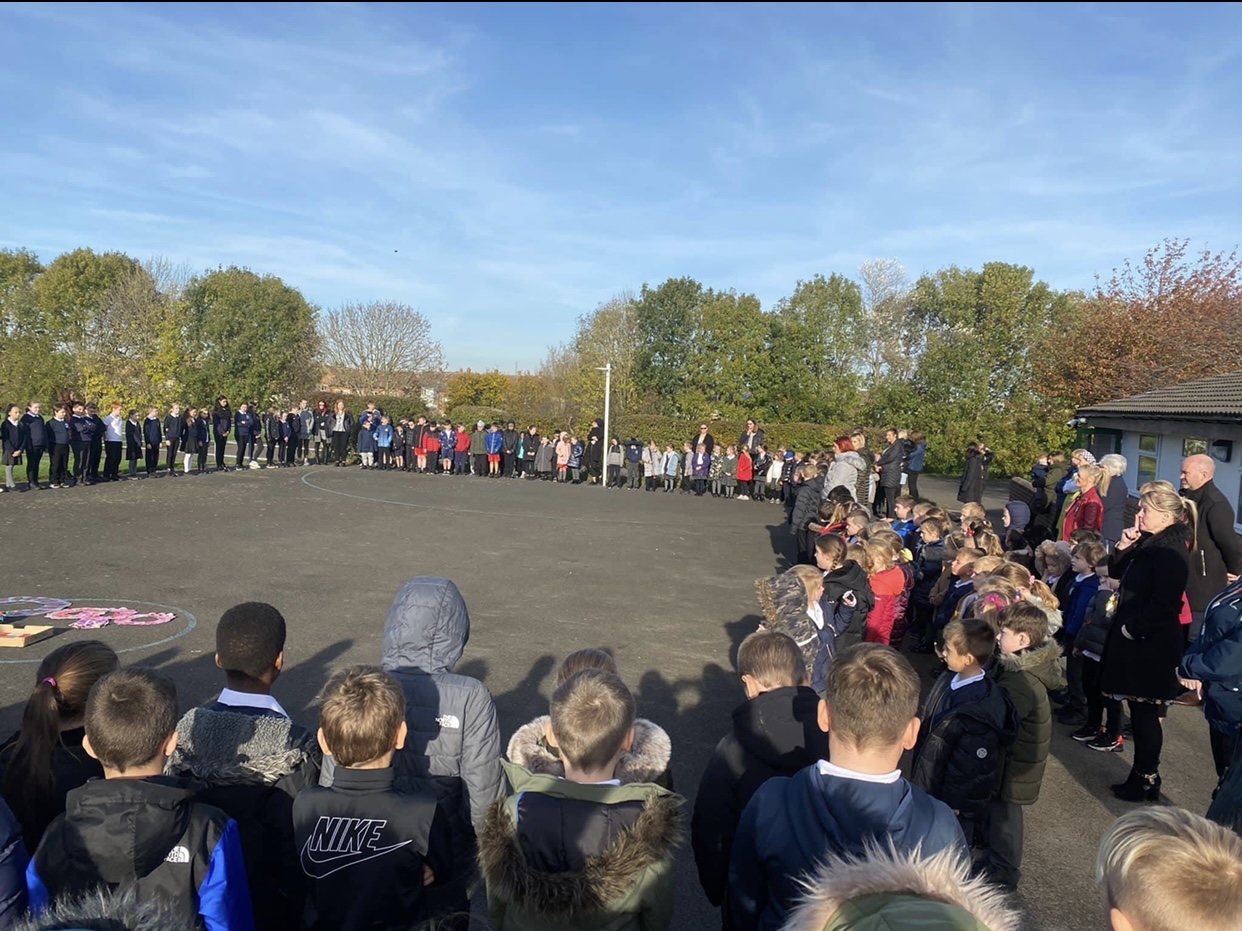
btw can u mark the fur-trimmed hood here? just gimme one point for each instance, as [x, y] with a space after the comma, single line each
[235, 748]
[122, 910]
[649, 758]
[543, 870]
[1043, 662]
[888, 890]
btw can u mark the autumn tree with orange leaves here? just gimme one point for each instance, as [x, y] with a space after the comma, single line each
[1173, 317]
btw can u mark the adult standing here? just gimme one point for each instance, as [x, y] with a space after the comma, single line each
[173, 427]
[323, 432]
[596, 432]
[1115, 493]
[705, 438]
[221, 427]
[508, 450]
[341, 425]
[1086, 512]
[915, 462]
[889, 469]
[594, 456]
[36, 442]
[978, 459]
[862, 487]
[1217, 558]
[1145, 642]
[846, 468]
[751, 439]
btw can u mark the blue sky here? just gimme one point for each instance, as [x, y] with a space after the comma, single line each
[505, 169]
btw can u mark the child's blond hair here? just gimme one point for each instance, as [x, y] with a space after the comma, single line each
[1166, 869]
[972, 512]
[362, 708]
[588, 658]
[592, 712]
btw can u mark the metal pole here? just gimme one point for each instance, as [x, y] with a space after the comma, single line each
[607, 411]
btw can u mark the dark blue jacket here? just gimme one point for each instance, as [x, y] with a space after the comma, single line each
[36, 431]
[1215, 659]
[152, 431]
[60, 432]
[83, 428]
[243, 424]
[1079, 601]
[952, 598]
[494, 443]
[633, 451]
[12, 868]
[915, 462]
[791, 824]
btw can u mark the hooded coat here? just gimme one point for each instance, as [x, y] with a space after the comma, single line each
[1215, 659]
[776, 733]
[1145, 641]
[453, 747]
[792, 824]
[846, 469]
[886, 890]
[1027, 677]
[560, 855]
[650, 759]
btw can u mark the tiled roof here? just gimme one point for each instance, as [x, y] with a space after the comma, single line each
[1207, 398]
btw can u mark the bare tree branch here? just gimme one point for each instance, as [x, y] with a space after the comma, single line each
[382, 347]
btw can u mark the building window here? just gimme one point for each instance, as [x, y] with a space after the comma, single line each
[1193, 447]
[1149, 458]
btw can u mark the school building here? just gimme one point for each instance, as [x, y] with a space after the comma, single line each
[1157, 430]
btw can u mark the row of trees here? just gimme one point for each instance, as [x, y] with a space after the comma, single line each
[961, 354]
[110, 327]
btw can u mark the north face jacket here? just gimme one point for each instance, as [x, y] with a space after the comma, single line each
[148, 835]
[253, 763]
[453, 749]
[558, 855]
[362, 847]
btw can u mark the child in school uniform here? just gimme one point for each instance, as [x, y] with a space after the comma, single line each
[745, 474]
[383, 442]
[153, 439]
[669, 466]
[60, 438]
[728, 472]
[133, 443]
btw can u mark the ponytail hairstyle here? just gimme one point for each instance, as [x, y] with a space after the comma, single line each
[62, 682]
[993, 595]
[983, 537]
[1018, 576]
[1182, 510]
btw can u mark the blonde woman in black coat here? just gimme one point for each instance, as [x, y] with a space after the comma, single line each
[1144, 644]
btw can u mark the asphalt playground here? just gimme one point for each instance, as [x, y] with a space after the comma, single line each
[664, 580]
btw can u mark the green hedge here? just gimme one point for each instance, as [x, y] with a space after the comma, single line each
[471, 415]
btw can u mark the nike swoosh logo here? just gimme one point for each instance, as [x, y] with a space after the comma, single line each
[317, 866]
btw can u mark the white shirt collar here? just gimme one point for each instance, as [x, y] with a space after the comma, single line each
[958, 682]
[830, 769]
[251, 700]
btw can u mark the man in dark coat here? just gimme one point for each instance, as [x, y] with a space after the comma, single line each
[1217, 558]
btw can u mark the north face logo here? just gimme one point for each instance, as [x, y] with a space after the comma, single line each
[449, 722]
[178, 855]
[336, 843]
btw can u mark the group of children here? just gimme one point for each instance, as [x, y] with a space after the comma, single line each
[233, 816]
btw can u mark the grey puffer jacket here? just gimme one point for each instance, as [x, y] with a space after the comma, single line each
[453, 748]
[847, 469]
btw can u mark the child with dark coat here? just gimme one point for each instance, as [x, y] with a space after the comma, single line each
[791, 603]
[775, 733]
[133, 443]
[252, 759]
[967, 721]
[582, 851]
[367, 851]
[137, 828]
[1029, 666]
[1083, 587]
[1099, 732]
[845, 581]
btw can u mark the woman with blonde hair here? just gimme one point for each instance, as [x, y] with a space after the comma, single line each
[1088, 508]
[1115, 493]
[1145, 641]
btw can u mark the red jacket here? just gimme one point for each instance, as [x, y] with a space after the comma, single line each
[886, 622]
[431, 443]
[1086, 511]
[745, 467]
[463, 442]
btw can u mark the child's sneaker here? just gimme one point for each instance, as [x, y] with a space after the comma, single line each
[1106, 744]
[1086, 733]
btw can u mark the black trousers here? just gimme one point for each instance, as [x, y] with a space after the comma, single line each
[506, 463]
[202, 457]
[290, 450]
[480, 463]
[220, 441]
[890, 493]
[96, 454]
[245, 449]
[81, 456]
[112, 460]
[1223, 747]
[170, 461]
[1097, 703]
[912, 484]
[59, 462]
[340, 445]
[34, 458]
[1005, 834]
[1148, 736]
[152, 454]
[304, 448]
[614, 475]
